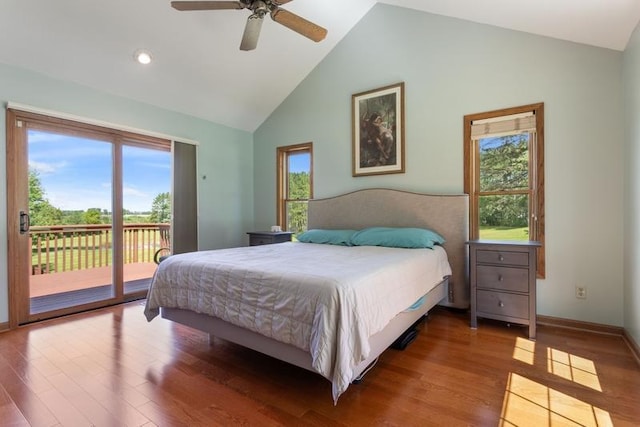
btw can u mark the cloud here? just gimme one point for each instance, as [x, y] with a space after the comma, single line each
[79, 199]
[127, 190]
[133, 192]
[156, 165]
[44, 168]
[39, 136]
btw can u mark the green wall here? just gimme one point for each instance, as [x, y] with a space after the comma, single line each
[225, 155]
[632, 188]
[451, 68]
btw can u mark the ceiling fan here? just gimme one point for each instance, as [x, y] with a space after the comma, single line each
[259, 9]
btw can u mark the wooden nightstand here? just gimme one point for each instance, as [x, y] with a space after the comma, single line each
[257, 238]
[503, 282]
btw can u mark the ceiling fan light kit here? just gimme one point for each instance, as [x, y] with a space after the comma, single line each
[258, 8]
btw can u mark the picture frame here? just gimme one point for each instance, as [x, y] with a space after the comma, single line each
[378, 131]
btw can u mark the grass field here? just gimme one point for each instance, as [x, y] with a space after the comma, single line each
[504, 233]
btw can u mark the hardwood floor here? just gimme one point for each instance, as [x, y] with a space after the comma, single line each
[112, 368]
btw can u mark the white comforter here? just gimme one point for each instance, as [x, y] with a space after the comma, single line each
[324, 299]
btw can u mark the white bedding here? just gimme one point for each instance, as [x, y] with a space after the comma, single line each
[324, 299]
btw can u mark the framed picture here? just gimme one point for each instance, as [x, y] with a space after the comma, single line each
[378, 131]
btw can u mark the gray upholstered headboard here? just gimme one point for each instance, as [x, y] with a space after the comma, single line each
[446, 214]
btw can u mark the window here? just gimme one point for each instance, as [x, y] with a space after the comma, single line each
[504, 175]
[295, 186]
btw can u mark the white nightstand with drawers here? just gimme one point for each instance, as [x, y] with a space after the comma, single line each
[503, 282]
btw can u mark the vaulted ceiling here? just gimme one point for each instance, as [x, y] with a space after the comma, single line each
[197, 68]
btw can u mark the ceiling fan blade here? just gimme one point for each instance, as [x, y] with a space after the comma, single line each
[206, 5]
[298, 24]
[252, 32]
[280, 2]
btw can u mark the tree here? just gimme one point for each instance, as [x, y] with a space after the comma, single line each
[299, 189]
[504, 163]
[161, 209]
[72, 217]
[299, 185]
[41, 212]
[504, 166]
[93, 216]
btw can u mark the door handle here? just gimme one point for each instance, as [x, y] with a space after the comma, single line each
[25, 222]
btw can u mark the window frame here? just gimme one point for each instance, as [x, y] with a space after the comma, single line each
[282, 199]
[536, 175]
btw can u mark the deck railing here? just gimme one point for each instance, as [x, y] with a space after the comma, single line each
[61, 248]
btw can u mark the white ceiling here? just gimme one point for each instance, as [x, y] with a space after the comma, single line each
[198, 68]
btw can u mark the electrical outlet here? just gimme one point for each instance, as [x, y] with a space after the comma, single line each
[581, 292]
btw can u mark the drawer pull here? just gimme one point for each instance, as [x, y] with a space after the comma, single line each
[500, 257]
[500, 278]
[500, 304]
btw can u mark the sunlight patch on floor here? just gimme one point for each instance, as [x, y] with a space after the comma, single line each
[528, 403]
[524, 350]
[573, 368]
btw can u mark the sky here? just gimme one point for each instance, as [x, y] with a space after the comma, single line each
[299, 162]
[75, 173]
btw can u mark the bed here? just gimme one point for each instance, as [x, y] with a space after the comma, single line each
[254, 298]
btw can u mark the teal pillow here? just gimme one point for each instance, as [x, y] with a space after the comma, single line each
[397, 237]
[329, 237]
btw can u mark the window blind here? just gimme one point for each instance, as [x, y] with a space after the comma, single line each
[505, 125]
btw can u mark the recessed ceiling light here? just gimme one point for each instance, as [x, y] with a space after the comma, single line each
[143, 56]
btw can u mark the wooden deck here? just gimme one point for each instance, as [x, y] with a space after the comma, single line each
[55, 283]
[67, 289]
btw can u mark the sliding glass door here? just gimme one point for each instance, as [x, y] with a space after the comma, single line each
[146, 213]
[88, 209]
